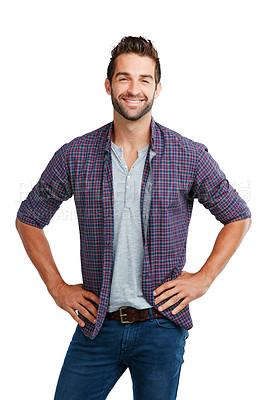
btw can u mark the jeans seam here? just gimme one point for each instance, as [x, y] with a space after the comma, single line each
[105, 389]
[166, 327]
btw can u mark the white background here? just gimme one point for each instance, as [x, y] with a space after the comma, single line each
[54, 59]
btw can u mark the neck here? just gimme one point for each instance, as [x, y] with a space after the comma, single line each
[131, 134]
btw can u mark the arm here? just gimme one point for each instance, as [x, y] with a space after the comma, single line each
[53, 187]
[215, 193]
[187, 286]
[68, 297]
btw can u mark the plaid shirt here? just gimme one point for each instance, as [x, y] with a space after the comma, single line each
[182, 170]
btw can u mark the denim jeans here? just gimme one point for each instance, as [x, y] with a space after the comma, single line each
[152, 350]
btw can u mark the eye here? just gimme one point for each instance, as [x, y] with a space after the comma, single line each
[145, 81]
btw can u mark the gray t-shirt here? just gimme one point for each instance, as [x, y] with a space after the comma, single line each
[126, 287]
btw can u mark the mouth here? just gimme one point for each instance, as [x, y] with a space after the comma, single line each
[129, 101]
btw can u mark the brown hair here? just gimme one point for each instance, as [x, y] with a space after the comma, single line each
[138, 45]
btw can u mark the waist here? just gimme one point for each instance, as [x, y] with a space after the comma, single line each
[128, 315]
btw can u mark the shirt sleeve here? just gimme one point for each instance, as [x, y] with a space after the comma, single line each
[213, 190]
[47, 195]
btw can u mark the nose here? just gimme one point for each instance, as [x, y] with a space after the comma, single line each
[133, 88]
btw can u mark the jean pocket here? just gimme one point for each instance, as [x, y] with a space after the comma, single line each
[166, 323]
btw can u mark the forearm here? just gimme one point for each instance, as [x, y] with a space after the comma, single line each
[38, 250]
[70, 298]
[189, 286]
[228, 240]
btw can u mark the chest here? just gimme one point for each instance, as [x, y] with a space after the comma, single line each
[171, 180]
[130, 157]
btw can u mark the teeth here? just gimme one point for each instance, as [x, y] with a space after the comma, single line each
[133, 101]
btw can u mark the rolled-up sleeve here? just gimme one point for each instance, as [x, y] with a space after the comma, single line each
[47, 195]
[214, 192]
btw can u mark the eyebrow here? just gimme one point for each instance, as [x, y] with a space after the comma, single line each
[128, 74]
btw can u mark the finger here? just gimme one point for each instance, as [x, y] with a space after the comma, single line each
[91, 296]
[180, 307]
[175, 299]
[76, 317]
[86, 313]
[90, 307]
[166, 295]
[164, 286]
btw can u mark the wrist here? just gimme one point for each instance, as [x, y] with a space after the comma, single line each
[55, 286]
[206, 275]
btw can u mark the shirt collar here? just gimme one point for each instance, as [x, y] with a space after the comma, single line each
[156, 144]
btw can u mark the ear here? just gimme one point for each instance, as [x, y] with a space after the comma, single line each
[158, 90]
[107, 86]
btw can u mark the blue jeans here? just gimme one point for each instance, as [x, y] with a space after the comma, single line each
[152, 350]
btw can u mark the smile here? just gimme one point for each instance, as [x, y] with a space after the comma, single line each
[133, 101]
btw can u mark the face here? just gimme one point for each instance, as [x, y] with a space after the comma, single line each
[133, 87]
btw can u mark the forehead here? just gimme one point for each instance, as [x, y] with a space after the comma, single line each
[134, 64]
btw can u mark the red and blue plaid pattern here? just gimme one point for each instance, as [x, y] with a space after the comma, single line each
[182, 171]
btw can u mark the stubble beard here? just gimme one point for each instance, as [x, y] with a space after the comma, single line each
[118, 106]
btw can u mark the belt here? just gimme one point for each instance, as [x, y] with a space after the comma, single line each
[127, 315]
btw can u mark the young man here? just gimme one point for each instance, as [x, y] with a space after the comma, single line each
[134, 183]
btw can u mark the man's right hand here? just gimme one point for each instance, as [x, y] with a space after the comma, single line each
[72, 298]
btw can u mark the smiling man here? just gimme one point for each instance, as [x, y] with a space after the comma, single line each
[133, 101]
[134, 182]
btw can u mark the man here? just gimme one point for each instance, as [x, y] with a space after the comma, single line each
[134, 183]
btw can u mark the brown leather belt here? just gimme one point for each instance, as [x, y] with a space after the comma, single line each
[127, 315]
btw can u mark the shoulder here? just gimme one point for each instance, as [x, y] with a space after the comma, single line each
[182, 143]
[79, 145]
[97, 136]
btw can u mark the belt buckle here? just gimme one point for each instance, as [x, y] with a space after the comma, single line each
[123, 315]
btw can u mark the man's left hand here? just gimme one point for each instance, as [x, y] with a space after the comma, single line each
[186, 287]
